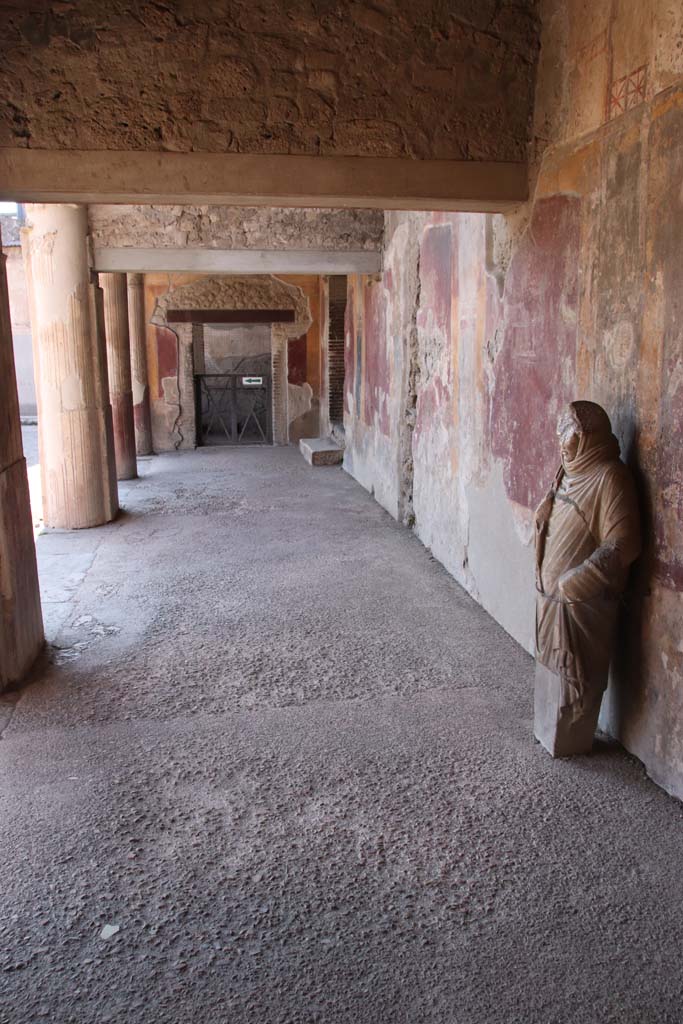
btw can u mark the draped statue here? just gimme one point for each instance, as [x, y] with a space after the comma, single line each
[587, 535]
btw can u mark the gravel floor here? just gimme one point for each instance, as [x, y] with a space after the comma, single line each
[283, 753]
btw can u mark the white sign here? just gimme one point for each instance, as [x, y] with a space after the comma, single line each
[252, 382]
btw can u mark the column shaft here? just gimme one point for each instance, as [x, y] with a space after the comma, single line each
[115, 293]
[74, 415]
[21, 621]
[138, 364]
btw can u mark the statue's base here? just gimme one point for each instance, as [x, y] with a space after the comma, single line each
[563, 731]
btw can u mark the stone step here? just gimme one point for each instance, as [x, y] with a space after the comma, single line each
[321, 451]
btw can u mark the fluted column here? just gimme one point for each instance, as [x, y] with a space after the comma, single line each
[70, 361]
[138, 364]
[115, 293]
[21, 621]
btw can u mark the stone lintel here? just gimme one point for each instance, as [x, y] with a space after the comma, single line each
[390, 183]
[230, 316]
[188, 260]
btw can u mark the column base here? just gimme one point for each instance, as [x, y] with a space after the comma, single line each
[563, 729]
[79, 479]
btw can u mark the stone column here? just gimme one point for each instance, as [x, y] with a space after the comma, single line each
[115, 292]
[21, 621]
[74, 415]
[138, 364]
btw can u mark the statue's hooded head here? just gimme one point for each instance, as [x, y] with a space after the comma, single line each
[586, 438]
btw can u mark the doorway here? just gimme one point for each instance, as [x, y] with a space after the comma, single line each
[233, 383]
[234, 408]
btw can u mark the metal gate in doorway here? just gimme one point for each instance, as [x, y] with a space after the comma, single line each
[234, 408]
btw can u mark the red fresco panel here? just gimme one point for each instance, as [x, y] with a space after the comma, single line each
[296, 360]
[167, 355]
[536, 368]
[377, 372]
[435, 277]
[349, 344]
[434, 316]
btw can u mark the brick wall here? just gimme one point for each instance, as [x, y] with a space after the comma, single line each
[336, 347]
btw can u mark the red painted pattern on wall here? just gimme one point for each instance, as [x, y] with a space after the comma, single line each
[296, 360]
[434, 319]
[436, 278]
[535, 371]
[349, 344]
[494, 332]
[377, 371]
[167, 355]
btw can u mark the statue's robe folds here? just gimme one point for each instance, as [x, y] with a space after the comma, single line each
[587, 536]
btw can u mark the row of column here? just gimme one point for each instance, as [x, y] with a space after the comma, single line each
[90, 368]
[93, 410]
[21, 621]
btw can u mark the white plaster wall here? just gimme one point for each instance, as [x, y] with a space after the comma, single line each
[500, 557]
[372, 462]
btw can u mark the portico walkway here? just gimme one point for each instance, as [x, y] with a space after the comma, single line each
[291, 761]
